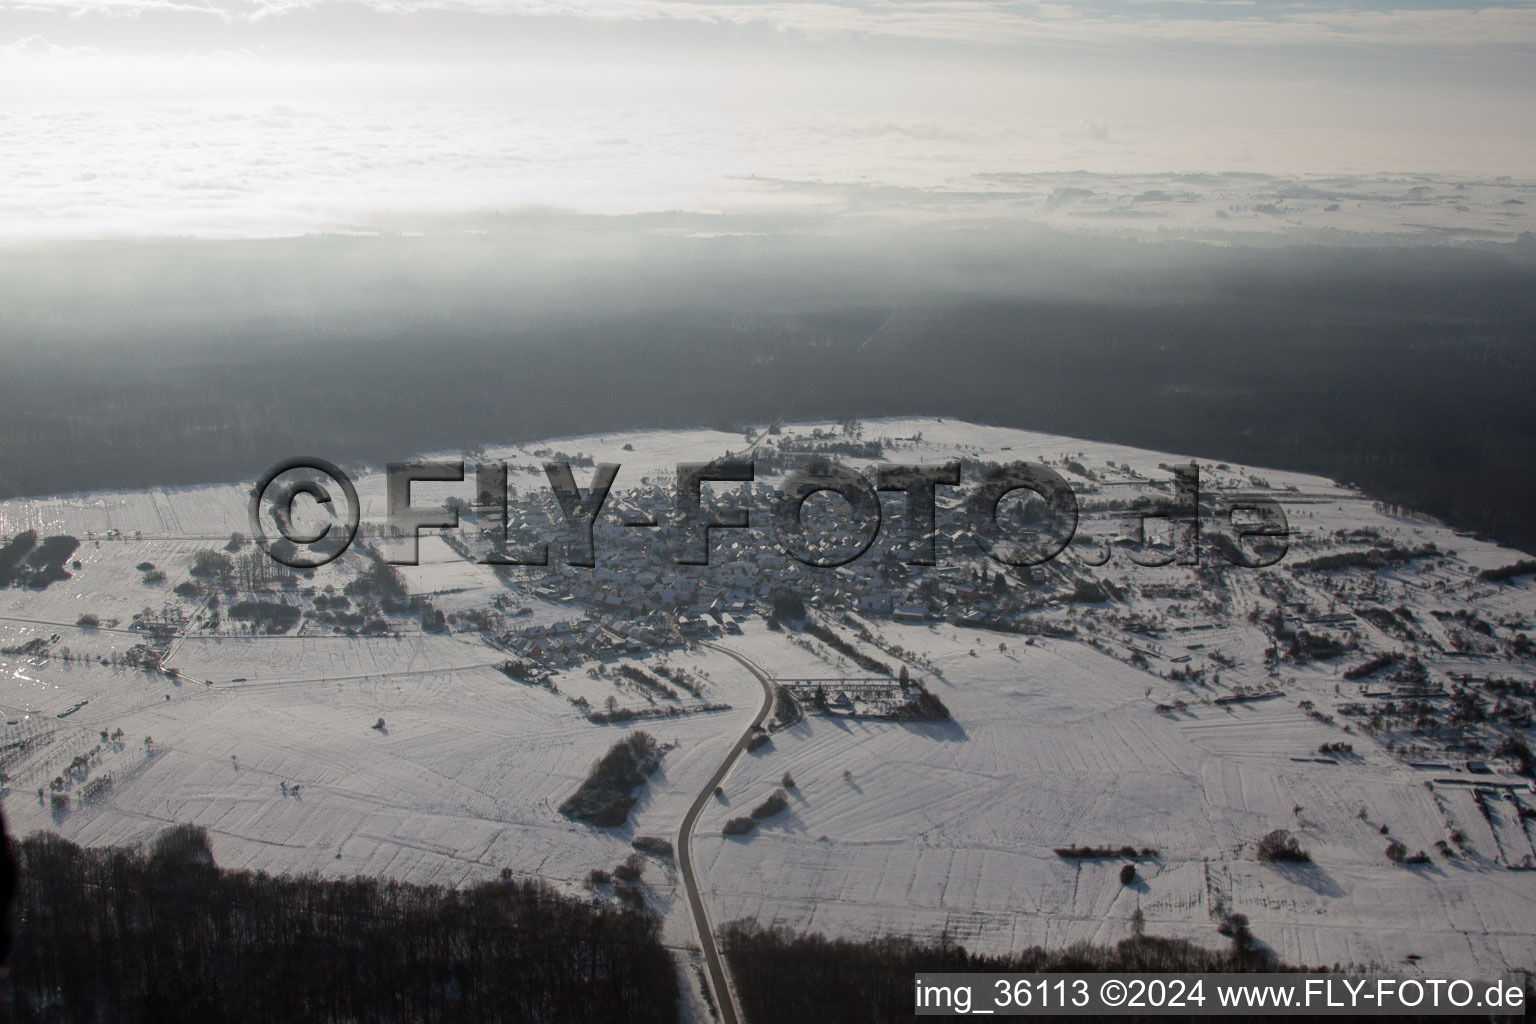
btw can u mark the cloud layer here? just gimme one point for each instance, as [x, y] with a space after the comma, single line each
[257, 117]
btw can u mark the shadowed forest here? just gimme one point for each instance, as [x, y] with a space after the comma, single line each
[166, 935]
[785, 978]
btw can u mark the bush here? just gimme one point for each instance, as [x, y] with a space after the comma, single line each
[631, 870]
[656, 846]
[739, 826]
[777, 801]
[1397, 853]
[1280, 845]
[597, 877]
[1128, 874]
[1102, 852]
[88, 620]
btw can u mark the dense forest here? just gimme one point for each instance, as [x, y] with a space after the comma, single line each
[165, 935]
[783, 978]
[1407, 371]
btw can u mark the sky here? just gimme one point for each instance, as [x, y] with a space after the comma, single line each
[241, 118]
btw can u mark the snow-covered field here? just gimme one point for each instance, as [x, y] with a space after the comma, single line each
[270, 742]
[951, 826]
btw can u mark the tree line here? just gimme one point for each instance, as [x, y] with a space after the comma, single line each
[781, 977]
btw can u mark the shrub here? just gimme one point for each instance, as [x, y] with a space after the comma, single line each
[597, 877]
[788, 781]
[1397, 852]
[1280, 845]
[631, 870]
[1101, 852]
[1236, 927]
[88, 620]
[777, 801]
[1128, 874]
[739, 826]
[656, 846]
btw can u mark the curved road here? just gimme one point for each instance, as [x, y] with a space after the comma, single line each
[718, 979]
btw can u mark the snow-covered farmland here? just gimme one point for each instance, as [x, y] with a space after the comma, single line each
[1167, 717]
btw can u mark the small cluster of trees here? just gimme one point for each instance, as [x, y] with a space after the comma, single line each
[680, 677]
[1280, 845]
[1369, 668]
[608, 792]
[25, 561]
[927, 705]
[1524, 567]
[776, 803]
[273, 616]
[646, 681]
[843, 647]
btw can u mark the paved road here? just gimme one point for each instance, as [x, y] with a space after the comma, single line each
[718, 979]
